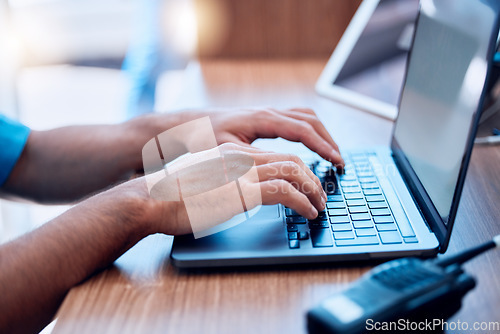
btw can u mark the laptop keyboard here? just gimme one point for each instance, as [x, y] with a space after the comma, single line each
[356, 213]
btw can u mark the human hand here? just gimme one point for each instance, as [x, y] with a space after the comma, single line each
[194, 195]
[243, 126]
[297, 124]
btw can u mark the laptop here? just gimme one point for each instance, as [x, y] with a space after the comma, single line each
[391, 201]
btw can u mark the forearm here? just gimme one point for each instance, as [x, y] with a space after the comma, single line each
[68, 163]
[38, 269]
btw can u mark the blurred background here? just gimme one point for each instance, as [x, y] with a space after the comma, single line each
[103, 61]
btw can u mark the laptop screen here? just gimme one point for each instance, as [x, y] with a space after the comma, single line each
[443, 88]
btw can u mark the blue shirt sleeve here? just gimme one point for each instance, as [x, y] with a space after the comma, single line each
[13, 137]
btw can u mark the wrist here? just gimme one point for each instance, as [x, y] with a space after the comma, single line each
[131, 206]
[138, 131]
[146, 215]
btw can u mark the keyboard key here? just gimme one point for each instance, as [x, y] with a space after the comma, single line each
[324, 168]
[374, 198]
[364, 163]
[339, 219]
[321, 215]
[335, 198]
[380, 212]
[361, 156]
[361, 241]
[295, 220]
[324, 163]
[366, 232]
[343, 235]
[293, 244]
[367, 179]
[355, 202]
[347, 178]
[321, 238]
[335, 205]
[358, 209]
[337, 212]
[349, 183]
[341, 227]
[405, 228]
[329, 173]
[313, 224]
[371, 185]
[386, 227]
[360, 216]
[362, 168]
[410, 240]
[292, 228]
[348, 190]
[362, 223]
[321, 176]
[331, 189]
[293, 236]
[303, 235]
[377, 205]
[357, 195]
[290, 212]
[374, 191]
[383, 219]
[391, 237]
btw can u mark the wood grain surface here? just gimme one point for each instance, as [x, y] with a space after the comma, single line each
[272, 28]
[144, 293]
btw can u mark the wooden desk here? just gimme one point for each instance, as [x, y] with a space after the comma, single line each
[144, 293]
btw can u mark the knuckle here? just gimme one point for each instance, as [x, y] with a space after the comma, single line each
[228, 146]
[306, 126]
[294, 158]
[316, 122]
[284, 186]
[264, 113]
[290, 166]
[277, 188]
[295, 169]
[279, 182]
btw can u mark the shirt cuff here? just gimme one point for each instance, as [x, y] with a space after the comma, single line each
[13, 138]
